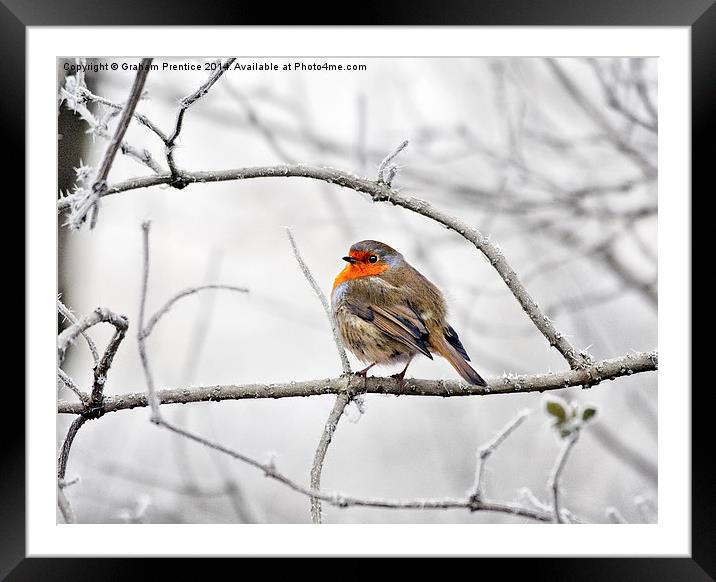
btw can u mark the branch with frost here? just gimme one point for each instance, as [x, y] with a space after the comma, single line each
[269, 468]
[91, 201]
[92, 406]
[380, 192]
[66, 312]
[486, 450]
[185, 293]
[386, 169]
[99, 315]
[596, 372]
[322, 298]
[556, 473]
[184, 104]
[85, 93]
[568, 420]
[342, 400]
[75, 94]
[65, 380]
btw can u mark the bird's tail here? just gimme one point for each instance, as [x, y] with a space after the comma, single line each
[465, 370]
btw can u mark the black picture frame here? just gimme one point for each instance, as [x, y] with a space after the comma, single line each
[698, 15]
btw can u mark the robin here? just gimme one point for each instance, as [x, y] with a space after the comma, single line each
[387, 312]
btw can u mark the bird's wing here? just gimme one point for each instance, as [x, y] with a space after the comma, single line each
[453, 339]
[399, 322]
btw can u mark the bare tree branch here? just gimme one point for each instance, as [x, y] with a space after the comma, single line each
[386, 170]
[67, 314]
[567, 443]
[383, 193]
[486, 450]
[341, 500]
[99, 315]
[69, 382]
[596, 115]
[184, 293]
[339, 406]
[100, 182]
[598, 371]
[342, 399]
[92, 405]
[141, 332]
[143, 119]
[324, 302]
[67, 445]
[184, 104]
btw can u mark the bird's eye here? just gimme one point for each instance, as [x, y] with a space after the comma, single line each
[373, 259]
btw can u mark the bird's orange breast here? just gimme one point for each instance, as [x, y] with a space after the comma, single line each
[356, 270]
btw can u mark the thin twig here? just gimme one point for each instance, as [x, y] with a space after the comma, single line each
[141, 334]
[340, 500]
[614, 101]
[339, 406]
[143, 119]
[100, 183]
[184, 293]
[67, 445]
[324, 302]
[596, 372]
[342, 399]
[184, 104]
[567, 443]
[67, 381]
[599, 119]
[99, 315]
[486, 450]
[386, 173]
[67, 313]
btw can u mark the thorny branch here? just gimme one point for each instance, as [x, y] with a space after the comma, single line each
[69, 316]
[100, 182]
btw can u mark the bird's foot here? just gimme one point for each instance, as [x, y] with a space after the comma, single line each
[400, 377]
[364, 374]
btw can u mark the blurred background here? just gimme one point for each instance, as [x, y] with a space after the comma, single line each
[555, 159]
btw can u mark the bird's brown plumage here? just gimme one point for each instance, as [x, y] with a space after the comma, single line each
[388, 312]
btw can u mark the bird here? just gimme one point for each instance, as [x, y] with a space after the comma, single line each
[387, 312]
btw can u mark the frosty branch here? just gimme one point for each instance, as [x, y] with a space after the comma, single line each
[601, 370]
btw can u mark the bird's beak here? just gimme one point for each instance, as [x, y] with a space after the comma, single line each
[350, 260]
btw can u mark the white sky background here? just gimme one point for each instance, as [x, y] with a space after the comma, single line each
[401, 447]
